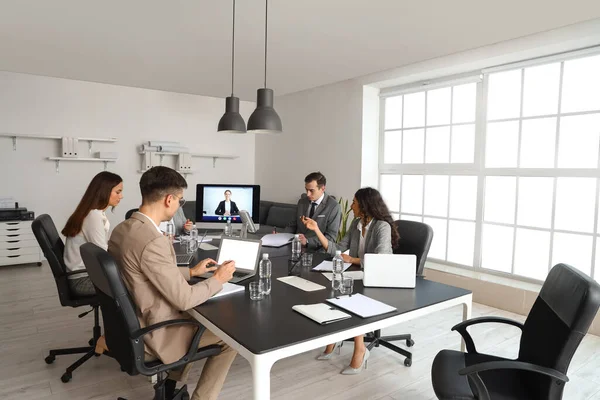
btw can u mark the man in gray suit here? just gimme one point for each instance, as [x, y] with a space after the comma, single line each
[319, 206]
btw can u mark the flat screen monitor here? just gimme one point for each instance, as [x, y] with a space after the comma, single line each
[218, 203]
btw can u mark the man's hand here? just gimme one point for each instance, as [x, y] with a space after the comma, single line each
[303, 239]
[202, 267]
[225, 272]
[188, 225]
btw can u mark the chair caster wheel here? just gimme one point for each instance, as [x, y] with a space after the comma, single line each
[39, 264]
[407, 362]
[66, 377]
[50, 359]
[91, 342]
[97, 355]
[410, 342]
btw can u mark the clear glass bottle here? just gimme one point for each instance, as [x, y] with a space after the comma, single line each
[296, 247]
[338, 270]
[264, 273]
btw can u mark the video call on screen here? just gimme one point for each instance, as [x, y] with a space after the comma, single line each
[241, 197]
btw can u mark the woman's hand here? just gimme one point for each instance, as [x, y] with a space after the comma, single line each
[351, 260]
[310, 223]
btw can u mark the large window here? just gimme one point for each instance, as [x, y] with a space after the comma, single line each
[504, 165]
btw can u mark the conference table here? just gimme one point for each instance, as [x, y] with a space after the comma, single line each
[268, 330]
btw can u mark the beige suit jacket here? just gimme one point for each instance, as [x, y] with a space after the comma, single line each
[160, 290]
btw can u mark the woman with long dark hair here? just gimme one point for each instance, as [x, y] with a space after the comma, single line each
[89, 224]
[372, 231]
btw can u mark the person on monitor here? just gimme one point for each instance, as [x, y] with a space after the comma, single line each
[320, 207]
[227, 207]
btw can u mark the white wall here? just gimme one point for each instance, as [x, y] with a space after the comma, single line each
[50, 106]
[322, 132]
[332, 127]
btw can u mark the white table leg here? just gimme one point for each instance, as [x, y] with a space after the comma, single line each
[261, 376]
[466, 315]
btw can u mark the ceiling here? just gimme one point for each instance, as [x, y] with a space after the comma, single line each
[185, 45]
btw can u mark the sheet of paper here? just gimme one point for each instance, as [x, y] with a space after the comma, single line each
[277, 239]
[361, 305]
[356, 275]
[301, 283]
[321, 313]
[328, 266]
[229, 288]
[206, 246]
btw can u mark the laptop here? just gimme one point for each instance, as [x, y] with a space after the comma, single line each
[245, 253]
[390, 270]
[184, 259]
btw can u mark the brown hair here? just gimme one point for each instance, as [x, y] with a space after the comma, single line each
[159, 181]
[96, 197]
[316, 176]
[371, 204]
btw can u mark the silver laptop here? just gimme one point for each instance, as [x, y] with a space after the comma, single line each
[245, 253]
[390, 270]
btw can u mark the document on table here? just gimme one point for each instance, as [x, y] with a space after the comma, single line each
[206, 246]
[356, 275]
[301, 283]
[277, 239]
[328, 266]
[360, 305]
[321, 313]
[229, 288]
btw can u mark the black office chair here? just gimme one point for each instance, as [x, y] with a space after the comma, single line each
[415, 238]
[130, 212]
[556, 324]
[53, 247]
[124, 337]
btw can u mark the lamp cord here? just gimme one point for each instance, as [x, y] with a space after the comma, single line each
[233, 51]
[266, 27]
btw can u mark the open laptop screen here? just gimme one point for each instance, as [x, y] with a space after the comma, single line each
[244, 252]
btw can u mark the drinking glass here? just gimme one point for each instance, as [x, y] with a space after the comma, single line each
[256, 290]
[347, 285]
[307, 259]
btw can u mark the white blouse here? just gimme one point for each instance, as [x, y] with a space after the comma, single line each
[94, 230]
[361, 243]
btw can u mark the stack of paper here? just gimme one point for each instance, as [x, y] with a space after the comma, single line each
[301, 283]
[229, 288]
[277, 239]
[356, 275]
[360, 305]
[328, 266]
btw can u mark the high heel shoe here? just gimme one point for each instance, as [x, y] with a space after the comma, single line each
[101, 345]
[354, 371]
[327, 356]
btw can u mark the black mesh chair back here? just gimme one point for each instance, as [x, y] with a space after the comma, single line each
[415, 238]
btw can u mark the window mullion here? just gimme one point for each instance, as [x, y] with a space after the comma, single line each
[480, 128]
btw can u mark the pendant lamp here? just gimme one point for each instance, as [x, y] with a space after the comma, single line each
[264, 119]
[232, 121]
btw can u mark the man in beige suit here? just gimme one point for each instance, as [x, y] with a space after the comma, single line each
[146, 260]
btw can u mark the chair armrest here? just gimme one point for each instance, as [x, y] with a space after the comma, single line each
[473, 373]
[142, 332]
[461, 328]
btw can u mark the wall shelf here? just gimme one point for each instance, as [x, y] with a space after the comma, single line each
[57, 160]
[196, 155]
[14, 137]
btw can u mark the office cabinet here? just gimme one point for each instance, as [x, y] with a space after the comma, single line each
[18, 244]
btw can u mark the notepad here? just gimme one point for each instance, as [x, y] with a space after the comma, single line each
[301, 283]
[321, 313]
[328, 266]
[229, 288]
[360, 305]
[277, 239]
[356, 275]
[206, 246]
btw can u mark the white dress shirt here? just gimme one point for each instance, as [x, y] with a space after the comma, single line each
[93, 230]
[318, 202]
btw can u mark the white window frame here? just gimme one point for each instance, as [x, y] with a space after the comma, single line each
[478, 169]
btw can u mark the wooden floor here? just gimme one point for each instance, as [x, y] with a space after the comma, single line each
[32, 322]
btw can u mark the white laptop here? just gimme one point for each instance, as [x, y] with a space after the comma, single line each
[390, 270]
[245, 253]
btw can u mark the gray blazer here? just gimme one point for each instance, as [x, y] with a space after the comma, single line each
[377, 241]
[328, 216]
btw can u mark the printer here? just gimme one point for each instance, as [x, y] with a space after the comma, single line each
[16, 214]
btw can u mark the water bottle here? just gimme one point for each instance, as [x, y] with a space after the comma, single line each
[193, 242]
[296, 247]
[228, 231]
[338, 269]
[264, 273]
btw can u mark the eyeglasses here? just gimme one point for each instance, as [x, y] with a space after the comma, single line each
[180, 199]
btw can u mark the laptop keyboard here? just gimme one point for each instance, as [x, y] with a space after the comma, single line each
[184, 259]
[239, 274]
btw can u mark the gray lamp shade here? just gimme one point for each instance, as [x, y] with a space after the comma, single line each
[264, 119]
[232, 121]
